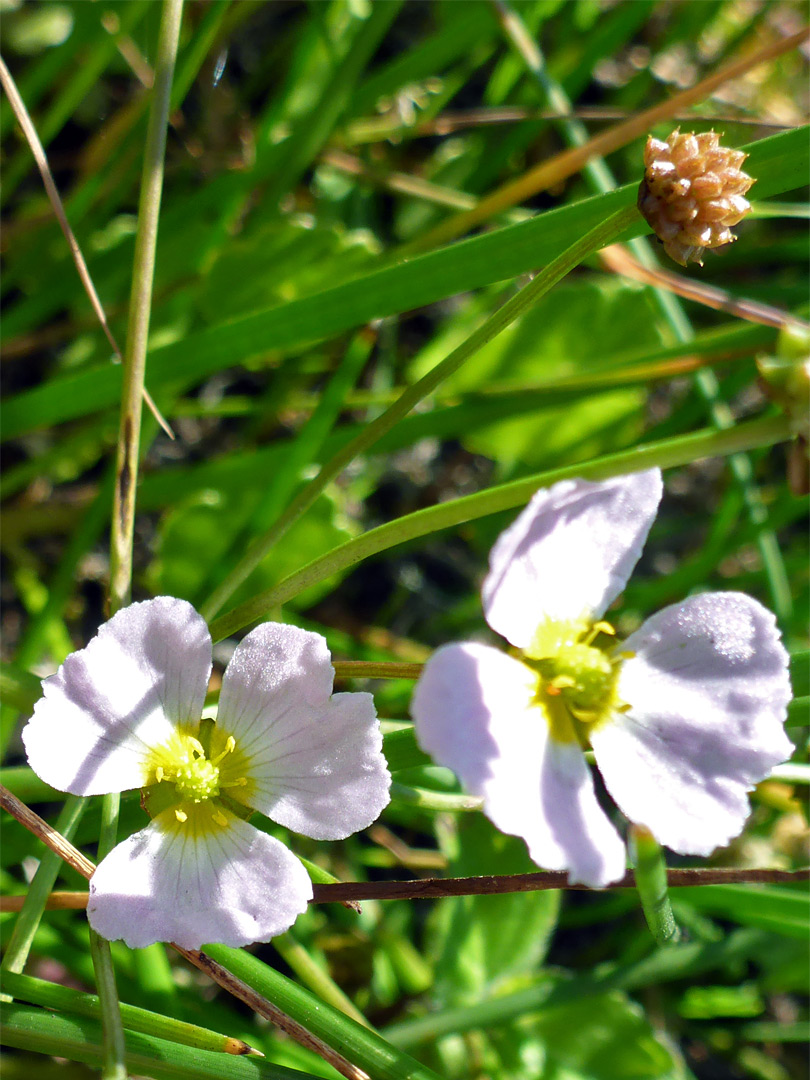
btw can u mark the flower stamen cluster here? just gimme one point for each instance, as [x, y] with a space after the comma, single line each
[582, 675]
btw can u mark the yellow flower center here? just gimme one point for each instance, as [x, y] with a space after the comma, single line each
[193, 775]
[576, 680]
[188, 772]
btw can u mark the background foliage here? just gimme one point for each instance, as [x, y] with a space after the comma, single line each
[312, 149]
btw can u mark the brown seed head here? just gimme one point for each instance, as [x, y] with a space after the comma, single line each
[692, 193]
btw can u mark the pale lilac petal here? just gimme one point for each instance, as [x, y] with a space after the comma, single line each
[474, 713]
[569, 553]
[167, 883]
[143, 674]
[708, 690]
[315, 762]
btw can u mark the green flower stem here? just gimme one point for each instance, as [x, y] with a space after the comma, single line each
[434, 800]
[604, 233]
[601, 179]
[39, 890]
[651, 882]
[374, 669]
[126, 466]
[143, 271]
[113, 1042]
[112, 1024]
[357, 1043]
[665, 453]
[67, 999]
[792, 772]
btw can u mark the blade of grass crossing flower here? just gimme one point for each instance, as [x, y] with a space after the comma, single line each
[651, 881]
[360, 1045]
[79, 1039]
[369, 435]
[668, 453]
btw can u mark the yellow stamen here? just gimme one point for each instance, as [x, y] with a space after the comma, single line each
[196, 745]
[230, 746]
[600, 627]
[181, 815]
[219, 818]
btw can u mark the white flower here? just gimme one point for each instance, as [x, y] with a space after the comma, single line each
[683, 718]
[124, 712]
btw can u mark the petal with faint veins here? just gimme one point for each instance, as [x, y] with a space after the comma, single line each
[194, 885]
[474, 712]
[569, 553]
[315, 761]
[143, 674]
[707, 691]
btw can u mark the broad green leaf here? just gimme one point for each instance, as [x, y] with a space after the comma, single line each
[610, 1039]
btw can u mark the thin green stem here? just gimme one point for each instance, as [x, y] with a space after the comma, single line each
[604, 233]
[376, 669]
[140, 309]
[435, 800]
[114, 1045]
[126, 467]
[666, 453]
[651, 881]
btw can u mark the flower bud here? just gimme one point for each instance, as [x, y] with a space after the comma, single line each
[692, 193]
